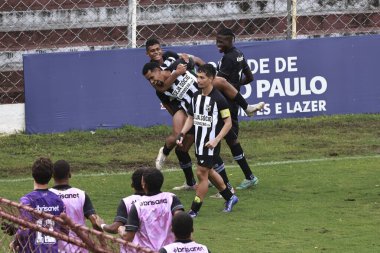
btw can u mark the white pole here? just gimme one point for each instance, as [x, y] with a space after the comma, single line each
[294, 19]
[132, 22]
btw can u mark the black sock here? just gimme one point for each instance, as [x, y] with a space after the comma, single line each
[241, 101]
[238, 154]
[166, 150]
[226, 194]
[196, 204]
[186, 165]
[219, 167]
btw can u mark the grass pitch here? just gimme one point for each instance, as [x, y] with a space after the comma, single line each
[319, 188]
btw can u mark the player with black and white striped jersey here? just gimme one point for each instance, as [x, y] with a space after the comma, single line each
[210, 115]
[176, 83]
[165, 59]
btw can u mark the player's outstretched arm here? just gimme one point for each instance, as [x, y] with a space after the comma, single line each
[180, 70]
[248, 77]
[96, 222]
[126, 235]
[112, 228]
[197, 61]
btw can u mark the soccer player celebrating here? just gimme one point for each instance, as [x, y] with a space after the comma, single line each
[78, 204]
[41, 199]
[180, 85]
[165, 60]
[150, 217]
[209, 113]
[169, 59]
[231, 67]
[182, 227]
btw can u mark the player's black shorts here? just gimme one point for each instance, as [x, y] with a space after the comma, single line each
[208, 161]
[192, 130]
[175, 105]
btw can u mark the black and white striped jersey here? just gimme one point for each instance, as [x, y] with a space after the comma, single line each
[169, 58]
[184, 86]
[209, 113]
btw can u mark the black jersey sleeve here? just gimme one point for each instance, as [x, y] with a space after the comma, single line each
[88, 208]
[168, 54]
[133, 220]
[162, 97]
[190, 66]
[121, 213]
[176, 205]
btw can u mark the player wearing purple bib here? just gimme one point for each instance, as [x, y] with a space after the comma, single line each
[41, 199]
[182, 227]
[150, 217]
[125, 206]
[126, 203]
[78, 204]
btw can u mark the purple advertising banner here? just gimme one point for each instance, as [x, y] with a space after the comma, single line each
[297, 78]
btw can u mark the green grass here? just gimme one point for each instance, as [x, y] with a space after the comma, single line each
[319, 187]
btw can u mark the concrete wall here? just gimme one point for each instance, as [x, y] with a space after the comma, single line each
[12, 118]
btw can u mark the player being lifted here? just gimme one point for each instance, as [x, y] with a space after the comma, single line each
[166, 60]
[182, 90]
[209, 113]
[154, 52]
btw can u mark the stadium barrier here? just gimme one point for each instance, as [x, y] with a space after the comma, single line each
[47, 227]
[296, 78]
[47, 26]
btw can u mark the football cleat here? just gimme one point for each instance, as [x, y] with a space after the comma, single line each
[219, 196]
[185, 187]
[160, 160]
[230, 204]
[193, 214]
[248, 183]
[251, 109]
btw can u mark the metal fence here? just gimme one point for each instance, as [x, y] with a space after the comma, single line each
[24, 229]
[45, 26]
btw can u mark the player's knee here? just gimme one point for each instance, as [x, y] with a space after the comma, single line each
[232, 142]
[180, 150]
[202, 173]
[171, 140]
